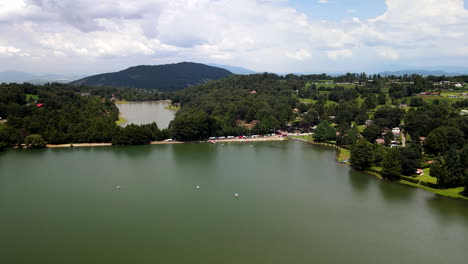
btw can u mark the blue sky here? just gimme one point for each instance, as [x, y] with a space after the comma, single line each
[339, 9]
[69, 37]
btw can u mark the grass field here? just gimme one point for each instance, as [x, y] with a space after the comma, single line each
[121, 120]
[333, 85]
[171, 107]
[31, 96]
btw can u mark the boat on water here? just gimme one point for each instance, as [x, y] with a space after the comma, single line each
[118, 187]
[198, 187]
[212, 141]
[236, 195]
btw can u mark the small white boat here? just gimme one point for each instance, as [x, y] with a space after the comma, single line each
[236, 195]
[118, 187]
[198, 187]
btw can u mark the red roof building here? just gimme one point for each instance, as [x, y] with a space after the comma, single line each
[39, 105]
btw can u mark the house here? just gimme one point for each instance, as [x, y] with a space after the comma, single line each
[296, 110]
[464, 112]
[39, 105]
[458, 85]
[369, 122]
[403, 105]
[394, 144]
[253, 92]
[396, 131]
[85, 94]
[419, 172]
[380, 141]
[452, 96]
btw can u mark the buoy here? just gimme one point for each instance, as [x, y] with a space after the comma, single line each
[118, 187]
[198, 186]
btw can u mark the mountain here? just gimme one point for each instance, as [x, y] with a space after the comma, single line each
[168, 77]
[233, 69]
[421, 72]
[21, 77]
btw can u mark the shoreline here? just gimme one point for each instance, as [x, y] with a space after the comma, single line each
[138, 102]
[402, 181]
[240, 140]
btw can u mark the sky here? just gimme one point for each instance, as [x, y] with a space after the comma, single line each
[334, 36]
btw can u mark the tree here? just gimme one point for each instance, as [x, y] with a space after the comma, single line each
[324, 132]
[388, 137]
[361, 155]
[454, 167]
[311, 117]
[441, 139]
[372, 132]
[440, 171]
[391, 164]
[35, 141]
[388, 116]
[410, 158]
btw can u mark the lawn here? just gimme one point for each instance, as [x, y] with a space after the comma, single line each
[32, 96]
[345, 154]
[302, 137]
[333, 85]
[121, 120]
[307, 100]
[172, 107]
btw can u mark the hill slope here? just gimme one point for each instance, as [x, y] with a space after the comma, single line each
[162, 77]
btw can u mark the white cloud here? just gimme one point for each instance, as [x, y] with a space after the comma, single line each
[300, 54]
[323, 1]
[339, 54]
[265, 35]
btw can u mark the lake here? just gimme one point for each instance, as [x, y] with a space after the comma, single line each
[295, 205]
[147, 112]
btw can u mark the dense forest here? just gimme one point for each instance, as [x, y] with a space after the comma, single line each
[56, 113]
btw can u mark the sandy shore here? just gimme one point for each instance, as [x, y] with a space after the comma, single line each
[168, 142]
[78, 145]
[251, 139]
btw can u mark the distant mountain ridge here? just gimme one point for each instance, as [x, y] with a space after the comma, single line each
[421, 72]
[167, 77]
[233, 69]
[22, 77]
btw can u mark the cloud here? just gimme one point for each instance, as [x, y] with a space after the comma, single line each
[300, 54]
[339, 54]
[265, 35]
[323, 1]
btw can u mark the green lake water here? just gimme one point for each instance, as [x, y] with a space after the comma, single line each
[296, 205]
[147, 112]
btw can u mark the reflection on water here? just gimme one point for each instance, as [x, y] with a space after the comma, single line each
[296, 205]
[359, 181]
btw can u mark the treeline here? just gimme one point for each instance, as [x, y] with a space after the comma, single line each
[219, 108]
[56, 114]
